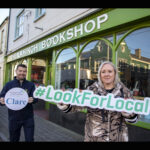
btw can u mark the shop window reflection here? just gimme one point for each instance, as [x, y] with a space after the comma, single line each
[65, 70]
[38, 72]
[91, 57]
[134, 64]
[14, 69]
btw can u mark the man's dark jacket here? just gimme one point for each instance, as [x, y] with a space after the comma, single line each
[27, 111]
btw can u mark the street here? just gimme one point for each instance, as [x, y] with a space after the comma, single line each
[44, 130]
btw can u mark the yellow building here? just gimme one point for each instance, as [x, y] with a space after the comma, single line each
[3, 47]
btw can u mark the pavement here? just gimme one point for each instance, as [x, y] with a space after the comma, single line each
[45, 131]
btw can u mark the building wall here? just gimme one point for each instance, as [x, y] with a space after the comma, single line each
[114, 25]
[53, 20]
[3, 46]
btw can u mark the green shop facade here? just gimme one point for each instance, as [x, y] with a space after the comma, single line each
[69, 58]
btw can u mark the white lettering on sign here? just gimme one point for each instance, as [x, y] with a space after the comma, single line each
[89, 99]
[70, 34]
[75, 32]
[100, 20]
[92, 23]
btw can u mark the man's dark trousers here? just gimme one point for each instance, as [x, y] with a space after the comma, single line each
[15, 130]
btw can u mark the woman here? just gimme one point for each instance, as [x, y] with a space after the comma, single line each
[105, 125]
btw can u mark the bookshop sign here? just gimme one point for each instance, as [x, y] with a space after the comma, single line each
[87, 26]
[75, 32]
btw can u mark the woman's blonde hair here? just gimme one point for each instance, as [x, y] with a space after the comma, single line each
[116, 80]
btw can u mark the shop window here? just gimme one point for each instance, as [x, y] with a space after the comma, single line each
[90, 59]
[138, 67]
[145, 69]
[65, 70]
[14, 69]
[24, 62]
[132, 66]
[38, 72]
[136, 75]
[2, 42]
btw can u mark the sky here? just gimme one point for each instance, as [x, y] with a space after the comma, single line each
[4, 12]
[139, 39]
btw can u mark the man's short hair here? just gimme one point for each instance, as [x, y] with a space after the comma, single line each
[21, 65]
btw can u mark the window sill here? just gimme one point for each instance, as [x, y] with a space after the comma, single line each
[142, 124]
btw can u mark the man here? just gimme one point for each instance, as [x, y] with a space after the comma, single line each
[24, 117]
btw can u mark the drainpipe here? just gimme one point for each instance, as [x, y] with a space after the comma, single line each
[8, 31]
[6, 66]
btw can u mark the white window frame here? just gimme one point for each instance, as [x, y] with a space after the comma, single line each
[19, 25]
[39, 12]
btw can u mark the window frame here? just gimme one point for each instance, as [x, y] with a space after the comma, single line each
[2, 41]
[20, 14]
[37, 15]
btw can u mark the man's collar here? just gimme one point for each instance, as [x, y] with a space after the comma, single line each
[15, 78]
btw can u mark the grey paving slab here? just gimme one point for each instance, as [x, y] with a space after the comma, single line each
[45, 131]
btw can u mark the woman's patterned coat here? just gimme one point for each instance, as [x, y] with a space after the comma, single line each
[104, 125]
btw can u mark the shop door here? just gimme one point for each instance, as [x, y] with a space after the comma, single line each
[38, 77]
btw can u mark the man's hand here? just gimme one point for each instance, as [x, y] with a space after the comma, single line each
[30, 100]
[2, 101]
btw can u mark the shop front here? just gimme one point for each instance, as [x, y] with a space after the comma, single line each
[70, 57]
